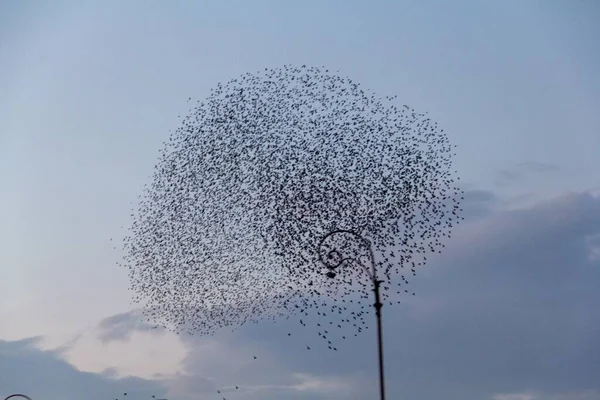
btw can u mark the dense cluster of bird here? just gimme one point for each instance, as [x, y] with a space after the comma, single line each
[231, 229]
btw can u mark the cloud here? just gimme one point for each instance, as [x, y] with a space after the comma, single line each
[227, 360]
[510, 307]
[121, 326]
[127, 348]
[477, 204]
[516, 396]
[310, 383]
[593, 244]
[224, 362]
[524, 170]
[508, 312]
[65, 347]
[24, 368]
[529, 395]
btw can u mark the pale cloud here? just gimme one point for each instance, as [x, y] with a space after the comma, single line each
[310, 383]
[516, 396]
[593, 244]
[532, 327]
[517, 228]
[144, 355]
[524, 170]
[532, 395]
[42, 374]
[121, 326]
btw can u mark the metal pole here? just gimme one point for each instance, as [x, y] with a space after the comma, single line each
[378, 306]
[338, 260]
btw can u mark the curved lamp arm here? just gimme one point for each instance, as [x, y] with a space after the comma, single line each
[335, 257]
[18, 395]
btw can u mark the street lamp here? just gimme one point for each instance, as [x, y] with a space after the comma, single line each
[333, 258]
[18, 395]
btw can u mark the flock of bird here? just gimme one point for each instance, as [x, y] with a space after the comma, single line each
[236, 225]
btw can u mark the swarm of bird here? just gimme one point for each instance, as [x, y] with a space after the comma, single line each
[236, 224]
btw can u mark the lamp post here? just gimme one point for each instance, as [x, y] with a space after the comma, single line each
[334, 258]
[17, 395]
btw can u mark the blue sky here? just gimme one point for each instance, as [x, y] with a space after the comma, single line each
[90, 90]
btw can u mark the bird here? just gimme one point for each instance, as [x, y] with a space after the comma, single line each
[238, 222]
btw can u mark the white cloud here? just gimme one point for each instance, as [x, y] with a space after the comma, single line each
[516, 396]
[442, 336]
[143, 354]
[531, 395]
[593, 245]
[310, 383]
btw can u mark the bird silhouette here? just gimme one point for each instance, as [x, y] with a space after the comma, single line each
[230, 230]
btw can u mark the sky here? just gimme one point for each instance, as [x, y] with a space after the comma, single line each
[510, 311]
